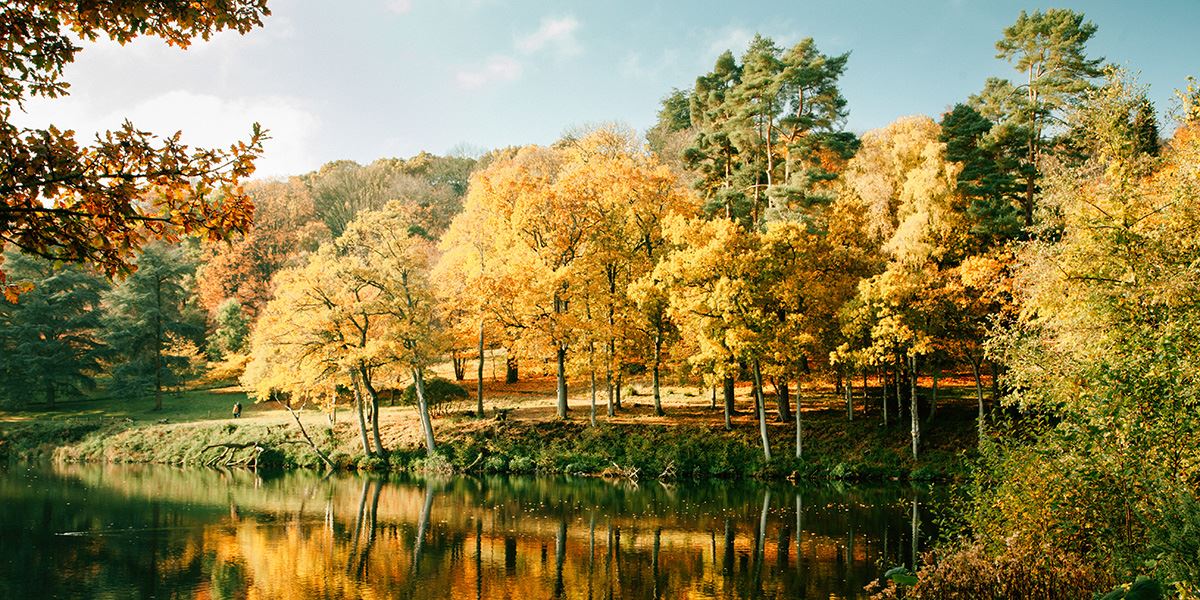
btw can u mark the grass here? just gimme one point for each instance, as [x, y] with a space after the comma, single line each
[689, 441]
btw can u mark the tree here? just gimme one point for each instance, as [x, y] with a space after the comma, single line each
[101, 203]
[150, 315]
[49, 337]
[359, 314]
[1050, 49]
[767, 131]
[285, 228]
[232, 330]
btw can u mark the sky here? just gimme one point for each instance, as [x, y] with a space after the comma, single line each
[365, 79]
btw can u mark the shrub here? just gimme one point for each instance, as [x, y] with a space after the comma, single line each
[439, 394]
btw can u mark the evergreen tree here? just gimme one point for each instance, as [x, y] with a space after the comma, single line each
[149, 313]
[232, 330]
[48, 341]
[987, 181]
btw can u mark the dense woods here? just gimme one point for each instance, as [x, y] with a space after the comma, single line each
[1039, 237]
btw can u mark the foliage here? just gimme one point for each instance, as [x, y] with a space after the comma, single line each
[102, 202]
[231, 331]
[440, 393]
[49, 338]
[151, 316]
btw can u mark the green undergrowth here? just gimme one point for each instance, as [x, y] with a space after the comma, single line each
[861, 450]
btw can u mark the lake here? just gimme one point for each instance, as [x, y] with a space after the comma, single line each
[118, 531]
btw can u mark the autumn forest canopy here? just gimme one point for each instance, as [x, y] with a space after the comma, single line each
[1037, 240]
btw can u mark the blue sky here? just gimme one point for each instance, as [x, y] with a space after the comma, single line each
[362, 79]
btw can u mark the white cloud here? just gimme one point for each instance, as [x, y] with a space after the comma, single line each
[206, 121]
[634, 67]
[400, 7]
[556, 33]
[735, 39]
[496, 69]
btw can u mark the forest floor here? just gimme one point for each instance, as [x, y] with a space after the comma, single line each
[521, 433]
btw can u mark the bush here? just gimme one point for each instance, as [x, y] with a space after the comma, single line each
[521, 464]
[439, 394]
[1021, 569]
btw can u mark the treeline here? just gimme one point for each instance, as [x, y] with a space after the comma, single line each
[66, 328]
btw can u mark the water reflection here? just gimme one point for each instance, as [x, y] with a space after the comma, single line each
[132, 531]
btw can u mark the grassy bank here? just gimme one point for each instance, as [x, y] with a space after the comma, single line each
[689, 442]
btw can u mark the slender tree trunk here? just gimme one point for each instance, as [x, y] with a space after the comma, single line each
[423, 410]
[866, 388]
[358, 410]
[978, 396]
[713, 402]
[608, 378]
[608, 383]
[479, 374]
[995, 370]
[799, 420]
[937, 373]
[374, 395]
[899, 393]
[883, 386]
[850, 397]
[304, 433]
[762, 413]
[592, 372]
[658, 410]
[914, 405]
[617, 395]
[562, 381]
[728, 389]
[158, 344]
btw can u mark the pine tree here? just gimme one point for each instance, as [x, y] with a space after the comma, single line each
[48, 337]
[149, 312]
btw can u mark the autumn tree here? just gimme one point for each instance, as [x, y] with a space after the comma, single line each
[100, 203]
[358, 314]
[151, 319]
[285, 228]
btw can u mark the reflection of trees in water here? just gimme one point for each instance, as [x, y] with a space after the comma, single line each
[487, 538]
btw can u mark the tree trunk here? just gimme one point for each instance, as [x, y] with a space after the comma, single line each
[304, 433]
[883, 386]
[562, 381]
[358, 410]
[460, 365]
[423, 410]
[995, 381]
[608, 383]
[914, 405]
[728, 389]
[479, 374]
[899, 392]
[799, 412]
[511, 374]
[158, 344]
[850, 398]
[592, 372]
[978, 395]
[658, 410]
[937, 373]
[762, 413]
[617, 394]
[362, 373]
[784, 401]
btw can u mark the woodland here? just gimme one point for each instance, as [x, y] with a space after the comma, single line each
[1036, 241]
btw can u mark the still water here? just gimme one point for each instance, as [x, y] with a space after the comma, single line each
[82, 531]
